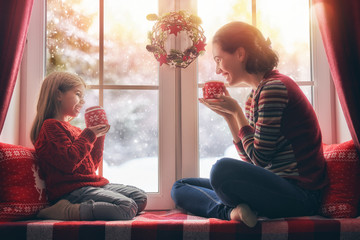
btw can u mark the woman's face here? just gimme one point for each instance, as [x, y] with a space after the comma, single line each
[230, 65]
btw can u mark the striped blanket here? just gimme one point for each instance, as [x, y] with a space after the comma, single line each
[175, 224]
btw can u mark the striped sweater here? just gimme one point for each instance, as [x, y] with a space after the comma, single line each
[284, 134]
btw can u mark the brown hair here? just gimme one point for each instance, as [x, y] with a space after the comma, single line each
[48, 104]
[260, 57]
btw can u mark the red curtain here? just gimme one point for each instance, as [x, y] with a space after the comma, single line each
[14, 22]
[339, 23]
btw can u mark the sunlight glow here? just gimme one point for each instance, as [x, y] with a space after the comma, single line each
[285, 21]
[121, 16]
[218, 13]
[124, 17]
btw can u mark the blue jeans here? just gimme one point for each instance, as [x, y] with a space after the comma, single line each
[233, 182]
[110, 202]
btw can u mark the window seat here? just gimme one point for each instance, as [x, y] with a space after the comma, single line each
[176, 224]
[22, 195]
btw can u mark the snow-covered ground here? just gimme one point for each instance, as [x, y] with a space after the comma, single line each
[143, 172]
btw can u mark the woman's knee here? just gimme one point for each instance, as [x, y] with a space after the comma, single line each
[175, 191]
[219, 171]
[180, 191]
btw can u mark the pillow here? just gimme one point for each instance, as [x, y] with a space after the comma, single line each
[341, 197]
[22, 190]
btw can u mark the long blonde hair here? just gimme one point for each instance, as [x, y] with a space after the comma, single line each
[48, 105]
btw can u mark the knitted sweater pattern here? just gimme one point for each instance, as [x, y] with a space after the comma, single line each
[68, 157]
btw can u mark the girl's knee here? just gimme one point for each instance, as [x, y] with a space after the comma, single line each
[127, 209]
[141, 201]
[138, 195]
[124, 209]
[132, 211]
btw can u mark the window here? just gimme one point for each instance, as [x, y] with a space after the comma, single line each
[158, 127]
[104, 42]
[121, 75]
[291, 40]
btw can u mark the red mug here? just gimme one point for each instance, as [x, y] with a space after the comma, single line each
[212, 88]
[95, 116]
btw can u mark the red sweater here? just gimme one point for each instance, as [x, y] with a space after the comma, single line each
[68, 157]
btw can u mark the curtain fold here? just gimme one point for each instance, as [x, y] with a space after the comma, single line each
[14, 22]
[339, 23]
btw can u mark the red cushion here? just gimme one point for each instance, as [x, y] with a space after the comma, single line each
[341, 197]
[22, 190]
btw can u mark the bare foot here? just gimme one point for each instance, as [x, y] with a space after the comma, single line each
[243, 213]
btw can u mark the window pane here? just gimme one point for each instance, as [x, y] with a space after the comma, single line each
[72, 38]
[131, 145]
[287, 26]
[308, 90]
[126, 60]
[214, 16]
[215, 139]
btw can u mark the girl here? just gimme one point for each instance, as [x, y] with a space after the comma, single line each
[69, 157]
[278, 138]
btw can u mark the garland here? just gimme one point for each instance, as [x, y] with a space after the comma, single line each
[173, 23]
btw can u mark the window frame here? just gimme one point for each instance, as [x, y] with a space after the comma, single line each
[324, 90]
[178, 101]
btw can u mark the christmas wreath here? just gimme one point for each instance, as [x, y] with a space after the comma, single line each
[173, 23]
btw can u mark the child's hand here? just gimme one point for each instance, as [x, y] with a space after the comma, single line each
[100, 130]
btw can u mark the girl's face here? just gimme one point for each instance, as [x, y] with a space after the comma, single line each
[231, 66]
[71, 102]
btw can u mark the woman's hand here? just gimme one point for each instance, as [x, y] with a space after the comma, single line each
[226, 106]
[100, 130]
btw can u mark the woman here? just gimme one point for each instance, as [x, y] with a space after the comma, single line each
[277, 135]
